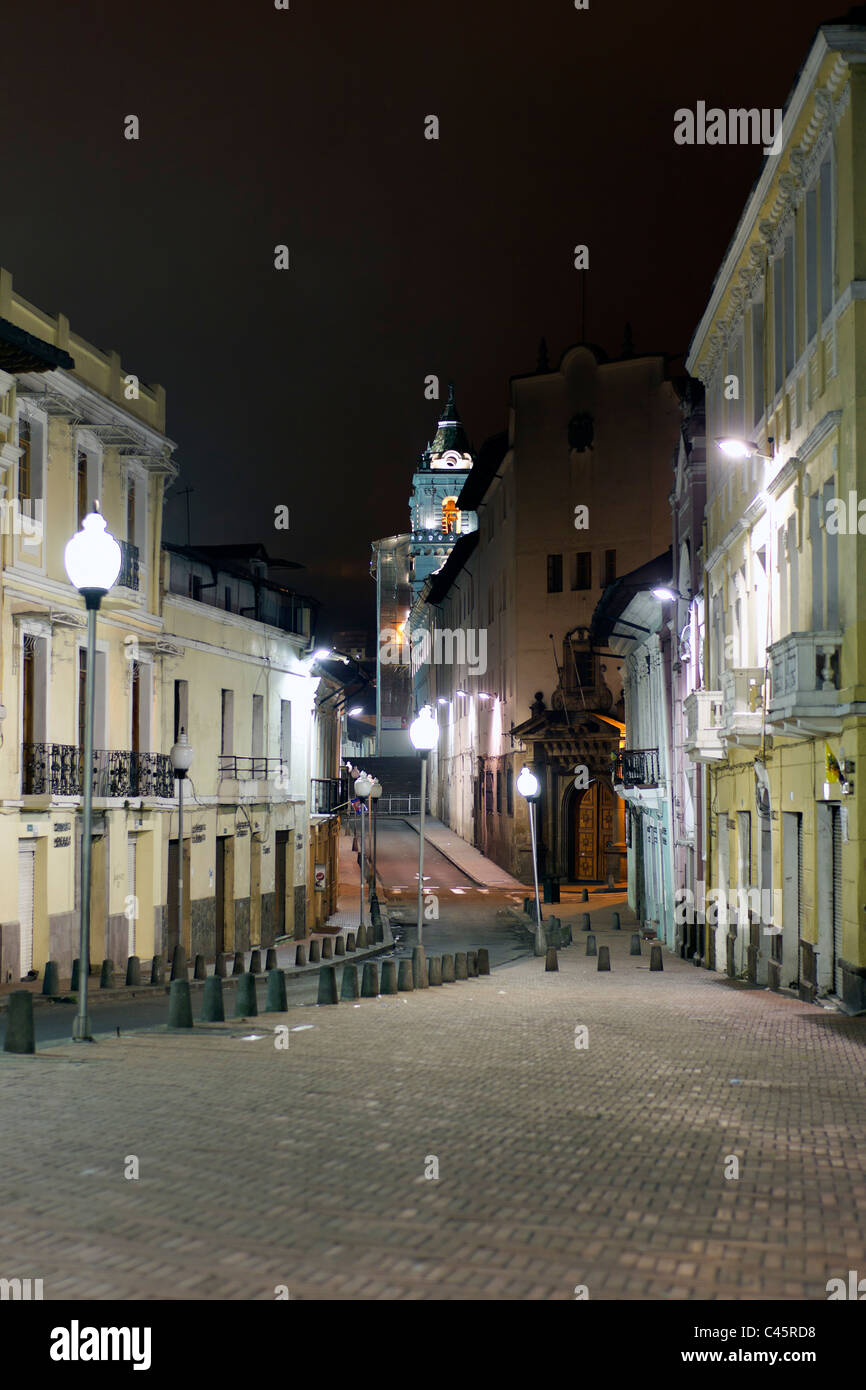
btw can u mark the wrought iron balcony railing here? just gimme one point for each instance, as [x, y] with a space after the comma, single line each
[128, 577]
[638, 767]
[252, 769]
[57, 769]
[327, 794]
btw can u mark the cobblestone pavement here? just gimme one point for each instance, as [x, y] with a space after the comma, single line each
[558, 1166]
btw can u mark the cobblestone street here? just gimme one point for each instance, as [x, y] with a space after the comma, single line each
[558, 1166]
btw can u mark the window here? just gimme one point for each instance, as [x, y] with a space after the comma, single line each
[258, 739]
[499, 793]
[789, 304]
[227, 714]
[825, 187]
[609, 567]
[181, 707]
[488, 792]
[554, 574]
[195, 587]
[581, 570]
[130, 510]
[82, 490]
[811, 264]
[286, 736]
[450, 517]
[757, 361]
[777, 324]
[509, 792]
[99, 709]
[583, 669]
[227, 598]
[25, 444]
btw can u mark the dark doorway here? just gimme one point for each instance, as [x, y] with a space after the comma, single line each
[281, 845]
[172, 931]
[220, 895]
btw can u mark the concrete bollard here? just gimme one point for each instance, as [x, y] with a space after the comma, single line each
[460, 966]
[361, 938]
[212, 1008]
[328, 985]
[340, 946]
[551, 962]
[106, 975]
[315, 952]
[634, 949]
[220, 965]
[447, 970]
[584, 896]
[178, 964]
[370, 980]
[389, 977]
[300, 955]
[271, 962]
[327, 949]
[590, 945]
[275, 1002]
[51, 981]
[350, 941]
[73, 983]
[567, 934]
[157, 971]
[200, 969]
[255, 961]
[419, 968]
[349, 983]
[585, 923]
[238, 966]
[603, 958]
[553, 935]
[656, 958]
[616, 926]
[483, 961]
[20, 1034]
[133, 971]
[179, 1006]
[245, 997]
[434, 970]
[472, 964]
[404, 975]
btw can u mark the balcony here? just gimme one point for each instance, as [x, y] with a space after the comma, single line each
[249, 769]
[327, 795]
[742, 704]
[703, 710]
[128, 577]
[57, 769]
[805, 682]
[638, 767]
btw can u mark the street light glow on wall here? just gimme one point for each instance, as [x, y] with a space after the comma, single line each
[424, 735]
[92, 560]
[664, 594]
[734, 448]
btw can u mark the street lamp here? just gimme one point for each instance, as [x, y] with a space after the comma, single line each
[375, 793]
[665, 594]
[363, 787]
[181, 760]
[424, 733]
[527, 785]
[734, 448]
[92, 560]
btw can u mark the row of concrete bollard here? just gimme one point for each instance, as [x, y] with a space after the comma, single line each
[399, 977]
[602, 953]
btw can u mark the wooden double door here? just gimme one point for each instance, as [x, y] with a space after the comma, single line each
[594, 827]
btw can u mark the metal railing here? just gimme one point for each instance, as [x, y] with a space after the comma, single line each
[252, 769]
[57, 769]
[128, 577]
[328, 794]
[638, 767]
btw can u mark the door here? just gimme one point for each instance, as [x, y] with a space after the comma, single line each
[132, 906]
[220, 895]
[723, 884]
[792, 899]
[280, 849]
[836, 843]
[595, 824]
[177, 933]
[26, 892]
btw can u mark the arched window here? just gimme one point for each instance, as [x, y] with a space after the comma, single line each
[450, 517]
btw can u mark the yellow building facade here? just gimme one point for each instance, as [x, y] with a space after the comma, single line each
[781, 718]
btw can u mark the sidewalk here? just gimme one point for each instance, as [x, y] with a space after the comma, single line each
[605, 1165]
[470, 861]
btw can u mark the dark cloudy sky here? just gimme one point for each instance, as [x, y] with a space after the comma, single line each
[408, 257]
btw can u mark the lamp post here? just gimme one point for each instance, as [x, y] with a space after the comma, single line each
[363, 787]
[181, 760]
[375, 793]
[92, 561]
[424, 733]
[527, 785]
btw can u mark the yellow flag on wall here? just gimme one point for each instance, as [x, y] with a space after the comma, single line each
[832, 765]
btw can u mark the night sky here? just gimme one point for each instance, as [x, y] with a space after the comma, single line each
[407, 256]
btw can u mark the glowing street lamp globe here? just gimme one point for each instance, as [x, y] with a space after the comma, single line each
[92, 558]
[527, 784]
[424, 731]
[180, 755]
[363, 786]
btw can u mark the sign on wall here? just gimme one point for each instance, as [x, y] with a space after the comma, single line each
[320, 878]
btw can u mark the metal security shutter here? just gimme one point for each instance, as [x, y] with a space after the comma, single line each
[130, 888]
[837, 900]
[794, 964]
[26, 875]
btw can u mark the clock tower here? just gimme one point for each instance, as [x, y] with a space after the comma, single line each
[436, 519]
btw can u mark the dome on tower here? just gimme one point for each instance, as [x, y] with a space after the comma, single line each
[450, 446]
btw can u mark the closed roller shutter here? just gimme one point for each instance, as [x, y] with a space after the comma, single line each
[837, 901]
[130, 888]
[26, 876]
